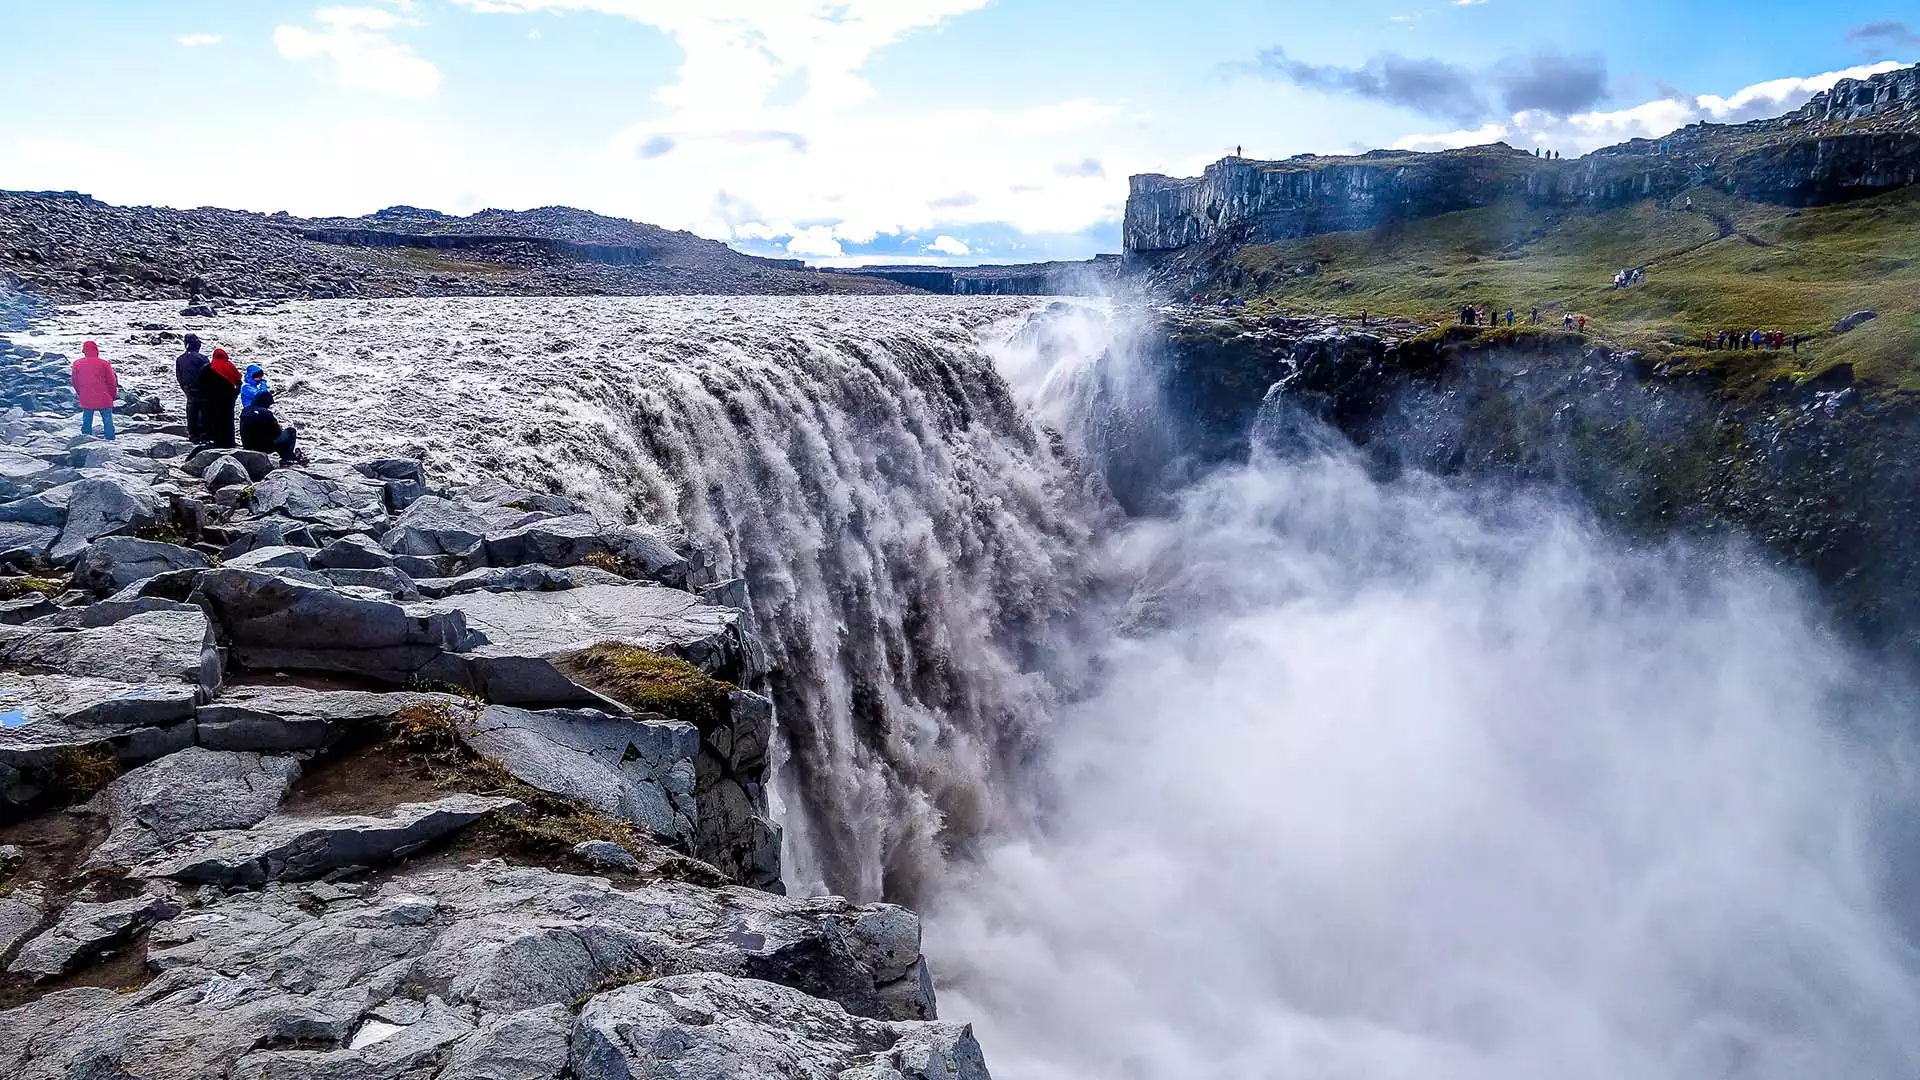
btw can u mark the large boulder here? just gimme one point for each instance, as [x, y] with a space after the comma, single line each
[293, 848]
[47, 507]
[106, 505]
[112, 563]
[275, 622]
[353, 552]
[289, 719]
[434, 526]
[571, 540]
[519, 635]
[149, 647]
[192, 791]
[277, 557]
[641, 769]
[341, 504]
[404, 481]
[276, 531]
[709, 1026]
[225, 473]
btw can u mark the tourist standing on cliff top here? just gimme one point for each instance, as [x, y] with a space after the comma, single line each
[95, 384]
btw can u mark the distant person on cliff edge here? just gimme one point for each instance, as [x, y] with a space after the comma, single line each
[187, 371]
[219, 389]
[261, 430]
[95, 384]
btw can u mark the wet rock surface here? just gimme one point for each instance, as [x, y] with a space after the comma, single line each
[238, 674]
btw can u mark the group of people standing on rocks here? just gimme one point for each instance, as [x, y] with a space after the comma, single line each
[1626, 279]
[1771, 340]
[213, 385]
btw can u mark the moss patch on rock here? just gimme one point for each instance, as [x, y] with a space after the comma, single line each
[650, 682]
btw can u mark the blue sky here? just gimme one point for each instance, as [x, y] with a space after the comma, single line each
[854, 130]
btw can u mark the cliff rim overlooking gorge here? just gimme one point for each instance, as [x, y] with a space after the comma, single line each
[1860, 138]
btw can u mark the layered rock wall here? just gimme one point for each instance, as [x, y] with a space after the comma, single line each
[1861, 138]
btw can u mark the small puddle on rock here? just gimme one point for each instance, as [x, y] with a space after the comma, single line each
[14, 718]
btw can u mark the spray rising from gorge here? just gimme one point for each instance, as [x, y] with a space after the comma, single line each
[1303, 773]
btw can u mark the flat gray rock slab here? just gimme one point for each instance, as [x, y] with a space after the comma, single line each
[112, 563]
[532, 578]
[288, 719]
[709, 1026]
[273, 557]
[638, 769]
[288, 848]
[275, 622]
[150, 647]
[192, 791]
[85, 930]
[523, 632]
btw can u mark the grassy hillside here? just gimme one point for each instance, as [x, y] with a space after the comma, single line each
[1713, 263]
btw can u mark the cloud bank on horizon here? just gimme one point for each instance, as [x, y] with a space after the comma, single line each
[790, 126]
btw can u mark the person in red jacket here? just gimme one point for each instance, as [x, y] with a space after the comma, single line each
[96, 384]
[219, 389]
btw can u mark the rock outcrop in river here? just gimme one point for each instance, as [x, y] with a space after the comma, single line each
[336, 771]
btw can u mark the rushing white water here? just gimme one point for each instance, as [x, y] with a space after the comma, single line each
[914, 546]
[1375, 780]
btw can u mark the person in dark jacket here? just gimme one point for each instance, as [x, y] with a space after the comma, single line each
[219, 389]
[188, 371]
[261, 430]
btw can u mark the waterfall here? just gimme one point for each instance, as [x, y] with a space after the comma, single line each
[1295, 772]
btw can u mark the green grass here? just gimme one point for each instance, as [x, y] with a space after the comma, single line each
[1713, 262]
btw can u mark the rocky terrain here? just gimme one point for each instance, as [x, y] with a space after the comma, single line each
[337, 771]
[67, 246]
[1860, 138]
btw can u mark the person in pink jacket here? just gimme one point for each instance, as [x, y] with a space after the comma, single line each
[96, 385]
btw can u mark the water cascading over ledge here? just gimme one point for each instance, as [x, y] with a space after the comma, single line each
[916, 547]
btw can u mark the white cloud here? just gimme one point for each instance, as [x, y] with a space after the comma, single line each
[364, 57]
[771, 100]
[1582, 132]
[1468, 3]
[199, 41]
[947, 245]
[817, 240]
